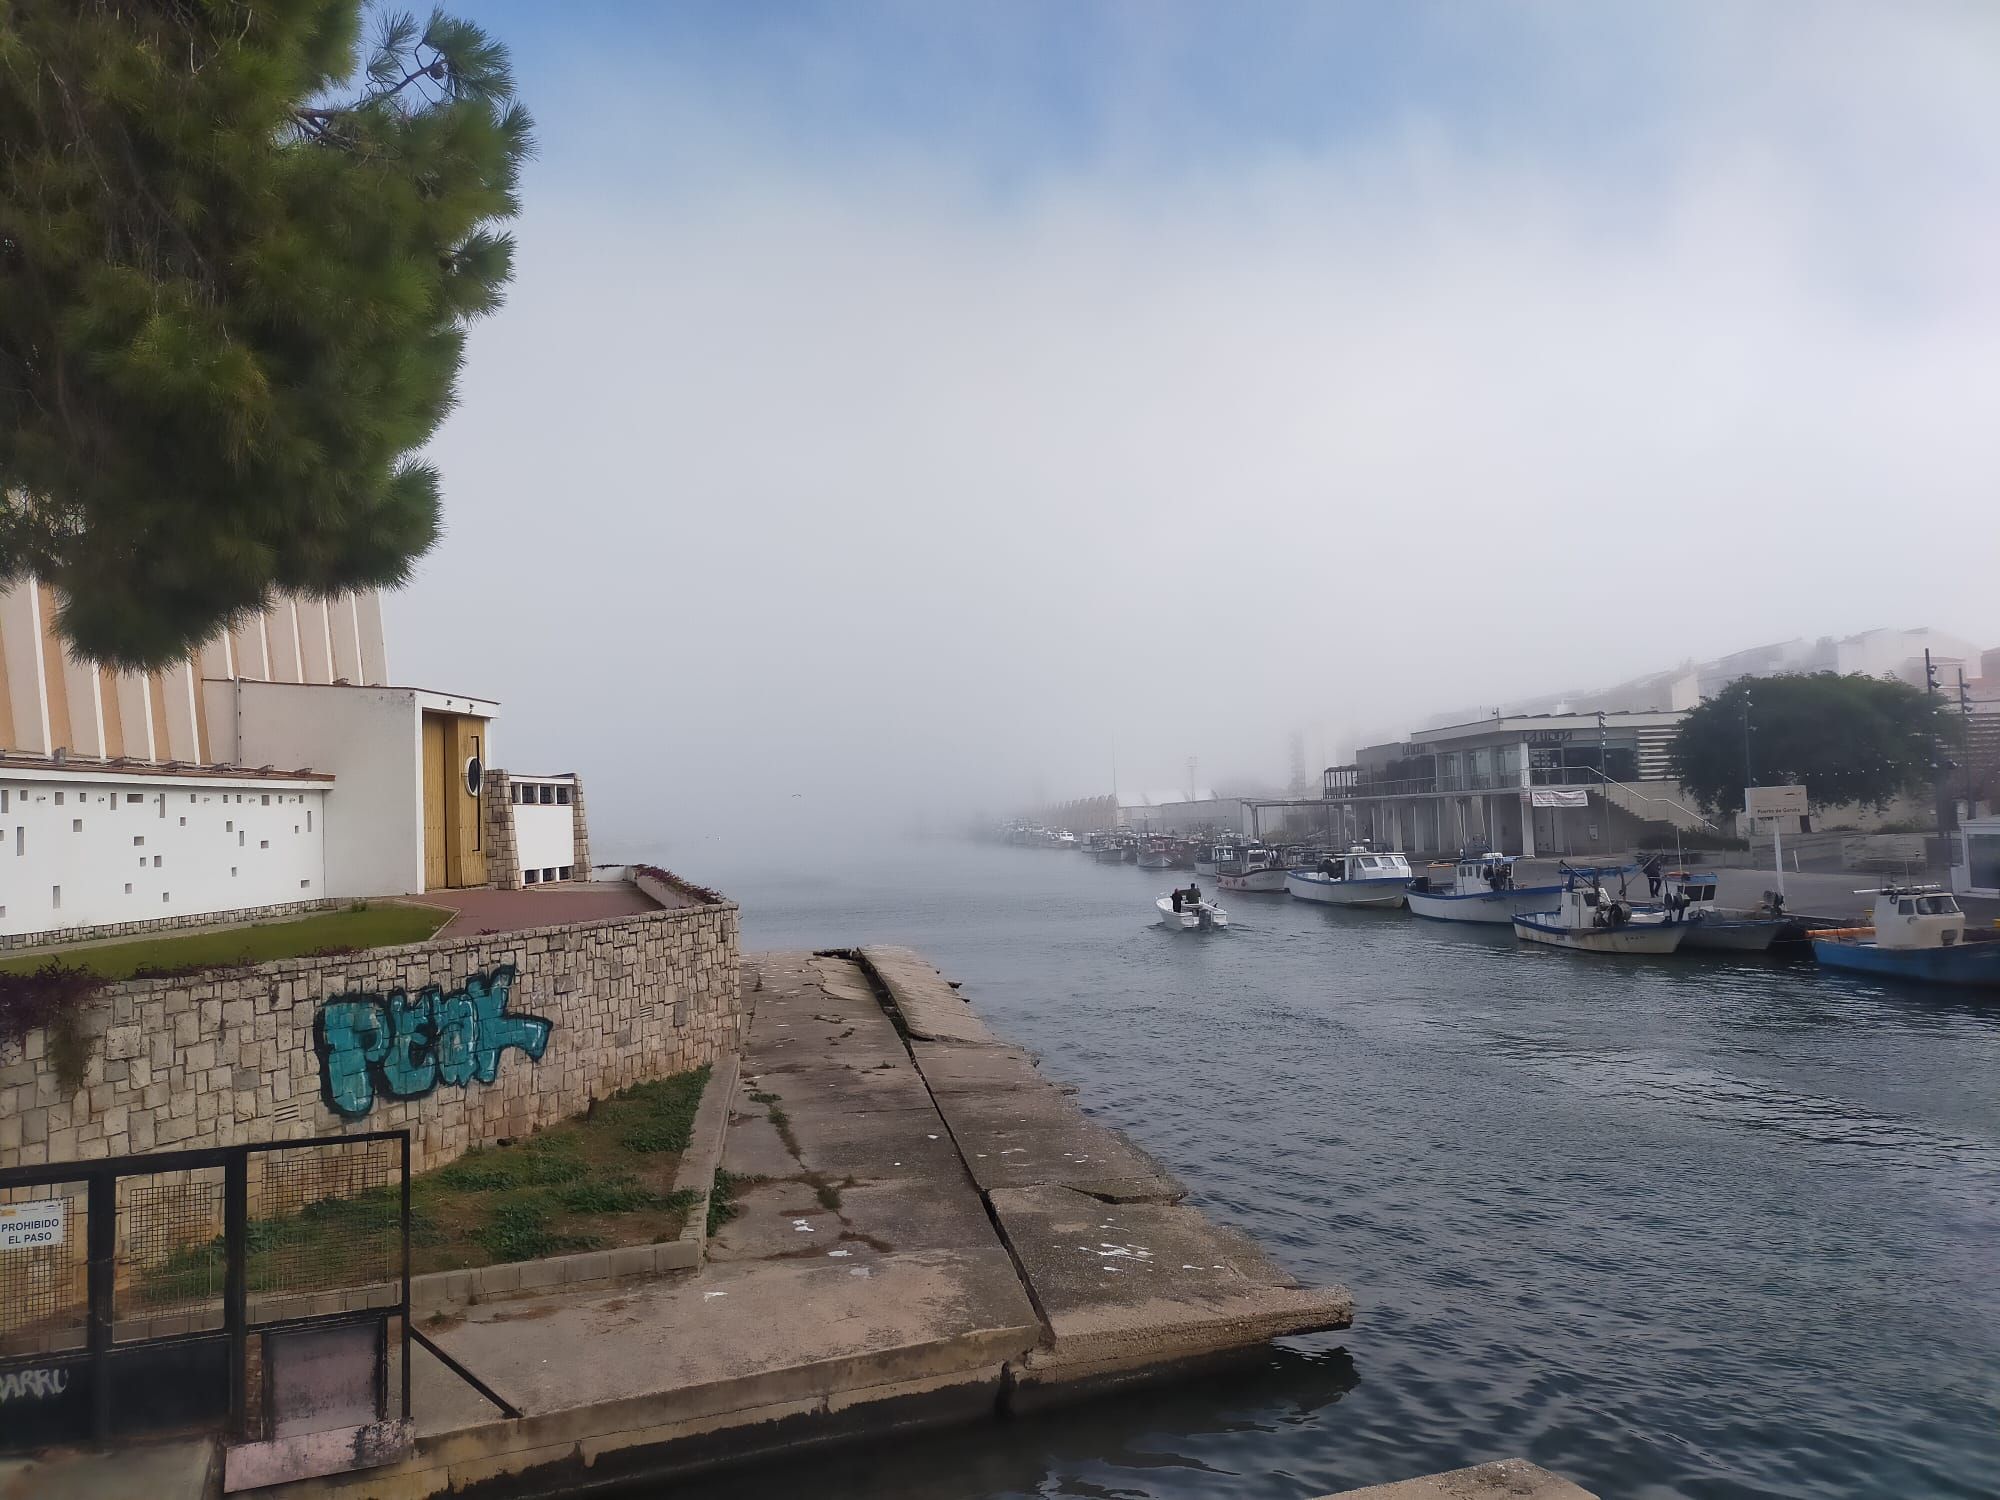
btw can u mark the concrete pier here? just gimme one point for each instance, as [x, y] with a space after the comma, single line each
[926, 1230]
[1508, 1479]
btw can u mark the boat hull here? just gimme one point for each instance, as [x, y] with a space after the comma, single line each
[1152, 861]
[1975, 964]
[1382, 895]
[1632, 938]
[1203, 918]
[1254, 880]
[1497, 908]
[1720, 935]
[1204, 867]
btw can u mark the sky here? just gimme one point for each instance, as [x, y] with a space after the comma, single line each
[907, 411]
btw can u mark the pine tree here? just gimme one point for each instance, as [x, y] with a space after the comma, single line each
[237, 261]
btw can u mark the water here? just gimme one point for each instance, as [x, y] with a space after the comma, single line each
[1686, 1227]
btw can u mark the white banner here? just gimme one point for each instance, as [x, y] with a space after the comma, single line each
[1774, 801]
[1558, 796]
[31, 1226]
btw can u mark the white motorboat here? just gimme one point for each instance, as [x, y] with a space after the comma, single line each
[1919, 933]
[1689, 897]
[1481, 889]
[1187, 911]
[1209, 861]
[1254, 869]
[1360, 877]
[1589, 919]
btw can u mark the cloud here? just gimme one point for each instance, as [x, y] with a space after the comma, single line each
[836, 469]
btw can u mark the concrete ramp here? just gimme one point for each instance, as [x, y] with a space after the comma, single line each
[1126, 1279]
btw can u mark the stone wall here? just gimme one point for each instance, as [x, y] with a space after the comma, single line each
[258, 1054]
[496, 810]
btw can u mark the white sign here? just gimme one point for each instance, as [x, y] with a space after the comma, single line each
[1774, 801]
[31, 1226]
[1558, 796]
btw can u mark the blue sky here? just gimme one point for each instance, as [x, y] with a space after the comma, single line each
[948, 351]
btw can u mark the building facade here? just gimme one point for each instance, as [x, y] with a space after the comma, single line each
[275, 766]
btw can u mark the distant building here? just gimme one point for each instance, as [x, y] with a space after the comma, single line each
[1546, 784]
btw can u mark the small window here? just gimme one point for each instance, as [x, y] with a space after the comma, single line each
[239, 838]
[309, 820]
[232, 872]
[76, 825]
[191, 796]
[20, 841]
[562, 795]
[566, 870]
[55, 897]
[138, 841]
[230, 826]
[4, 794]
[166, 895]
[163, 804]
[1906, 908]
[58, 799]
[263, 843]
[135, 796]
[304, 883]
[184, 821]
[531, 877]
[128, 887]
[267, 799]
[156, 861]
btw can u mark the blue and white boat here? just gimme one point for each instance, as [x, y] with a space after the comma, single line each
[1919, 934]
[1360, 877]
[1589, 919]
[1481, 889]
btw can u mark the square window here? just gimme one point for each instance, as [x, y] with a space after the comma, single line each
[263, 843]
[166, 895]
[267, 799]
[76, 825]
[58, 799]
[156, 861]
[304, 883]
[138, 840]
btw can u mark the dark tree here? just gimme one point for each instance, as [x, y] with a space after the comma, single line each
[237, 259]
[1845, 738]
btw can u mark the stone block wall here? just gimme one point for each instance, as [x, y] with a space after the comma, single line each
[496, 810]
[233, 1055]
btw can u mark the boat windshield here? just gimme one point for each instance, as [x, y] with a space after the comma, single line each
[1937, 906]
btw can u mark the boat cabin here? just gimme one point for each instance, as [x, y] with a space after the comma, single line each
[1685, 890]
[1916, 916]
[1363, 863]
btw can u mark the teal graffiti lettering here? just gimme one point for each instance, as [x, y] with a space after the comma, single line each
[405, 1046]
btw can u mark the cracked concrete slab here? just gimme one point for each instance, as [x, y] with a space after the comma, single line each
[1025, 1137]
[1509, 1479]
[1141, 1284]
[931, 1009]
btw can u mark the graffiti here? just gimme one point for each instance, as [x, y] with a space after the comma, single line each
[40, 1384]
[403, 1046]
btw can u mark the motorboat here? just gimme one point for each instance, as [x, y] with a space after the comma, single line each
[1254, 869]
[1481, 888]
[1689, 897]
[1919, 933]
[1188, 911]
[1209, 859]
[1156, 854]
[1589, 919]
[1360, 877]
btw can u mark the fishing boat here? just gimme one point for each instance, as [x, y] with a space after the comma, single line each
[1187, 911]
[1589, 919]
[1481, 889]
[1254, 869]
[1211, 858]
[1689, 897]
[1360, 877]
[1919, 933]
[1156, 854]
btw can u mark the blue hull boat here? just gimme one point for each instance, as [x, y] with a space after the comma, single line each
[1975, 963]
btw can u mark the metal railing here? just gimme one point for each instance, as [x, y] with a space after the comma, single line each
[193, 1289]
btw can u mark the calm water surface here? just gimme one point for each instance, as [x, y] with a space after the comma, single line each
[1676, 1227]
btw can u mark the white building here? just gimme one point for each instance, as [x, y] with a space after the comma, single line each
[278, 765]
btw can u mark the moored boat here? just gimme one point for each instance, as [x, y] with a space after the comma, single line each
[1254, 869]
[1481, 889]
[1187, 911]
[1589, 919]
[1360, 877]
[1689, 897]
[1919, 933]
[1209, 859]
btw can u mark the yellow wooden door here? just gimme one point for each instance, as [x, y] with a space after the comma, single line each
[437, 795]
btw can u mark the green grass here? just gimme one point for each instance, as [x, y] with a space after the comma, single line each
[359, 926]
[605, 1178]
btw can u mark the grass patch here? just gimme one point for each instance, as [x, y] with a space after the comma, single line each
[579, 1185]
[351, 928]
[722, 1204]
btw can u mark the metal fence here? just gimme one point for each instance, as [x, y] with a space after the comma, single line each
[249, 1290]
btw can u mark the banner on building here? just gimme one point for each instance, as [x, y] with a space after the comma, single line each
[1558, 796]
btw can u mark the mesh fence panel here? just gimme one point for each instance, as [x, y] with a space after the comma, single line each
[44, 1288]
[171, 1258]
[326, 1218]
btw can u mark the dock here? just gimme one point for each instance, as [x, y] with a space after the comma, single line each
[925, 1230]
